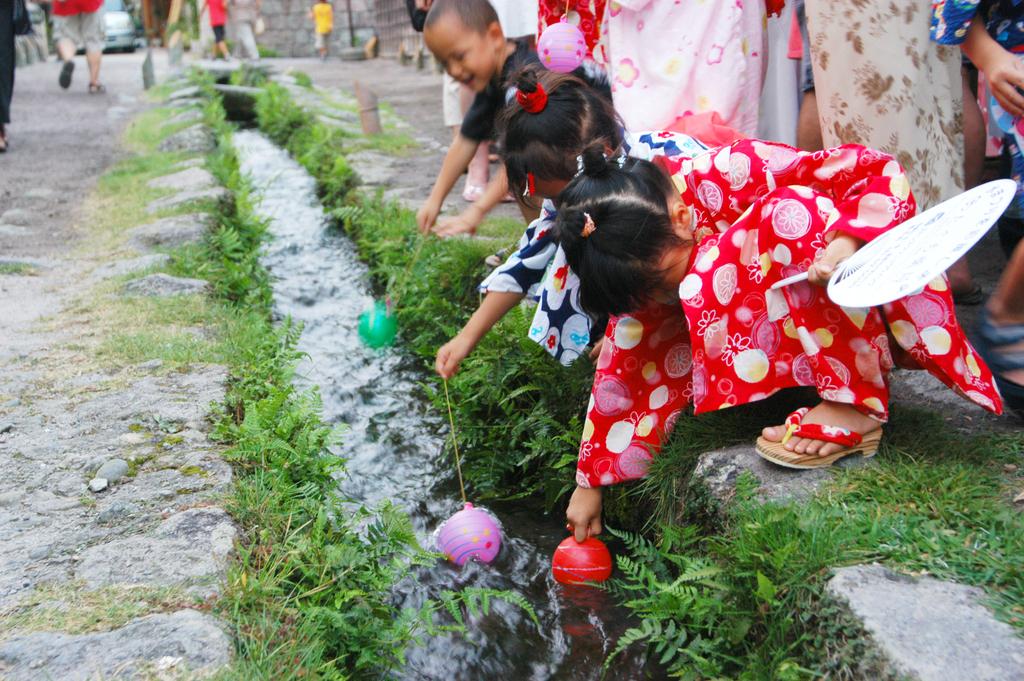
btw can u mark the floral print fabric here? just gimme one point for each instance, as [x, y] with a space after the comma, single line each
[1004, 20]
[672, 59]
[881, 82]
[763, 212]
[538, 268]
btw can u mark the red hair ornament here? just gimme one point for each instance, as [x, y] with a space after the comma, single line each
[533, 102]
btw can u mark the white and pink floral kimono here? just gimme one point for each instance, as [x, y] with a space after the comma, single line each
[672, 59]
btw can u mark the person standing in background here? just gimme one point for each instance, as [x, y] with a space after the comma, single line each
[6, 72]
[243, 14]
[322, 15]
[881, 82]
[79, 23]
[218, 17]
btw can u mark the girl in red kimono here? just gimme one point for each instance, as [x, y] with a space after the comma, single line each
[714, 233]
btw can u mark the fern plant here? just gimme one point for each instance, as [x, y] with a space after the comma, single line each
[684, 611]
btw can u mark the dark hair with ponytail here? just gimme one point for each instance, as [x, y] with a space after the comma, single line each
[546, 143]
[618, 262]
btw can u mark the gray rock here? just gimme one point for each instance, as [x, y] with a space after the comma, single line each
[215, 194]
[16, 216]
[719, 470]
[374, 169]
[40, 193]
[196, 162]
[191, 547]
[135, 651]
[98, 484]
[131, 439]
[184, 180]
[171, 232]
[120, 268]
[113, 470]
[39, 552]
[189, 92]
[117, 511]
[195, 139]
[928, 629]
[94, 464]
[13, 230]
[161, 284]
[6, 427]
[151, 365]
[188, 104]
[186, 116]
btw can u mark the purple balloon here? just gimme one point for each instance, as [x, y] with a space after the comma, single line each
[472, 533]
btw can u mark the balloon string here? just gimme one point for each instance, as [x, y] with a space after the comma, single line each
[455, 444]
[408, 270]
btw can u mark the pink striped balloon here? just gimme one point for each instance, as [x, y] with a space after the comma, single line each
[561, 47]
[472, 533]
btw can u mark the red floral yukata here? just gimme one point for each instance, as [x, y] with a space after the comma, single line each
[762, 212]
[591, 13]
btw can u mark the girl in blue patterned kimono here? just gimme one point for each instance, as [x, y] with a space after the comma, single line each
[551, 121]
[995, 45]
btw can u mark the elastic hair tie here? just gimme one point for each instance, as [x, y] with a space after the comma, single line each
[588, 226]
[531, 185]
[532, 102]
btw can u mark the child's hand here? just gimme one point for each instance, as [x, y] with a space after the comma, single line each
[1005, 75]
[465, 223]
[841, 248]
[450, 356]
[427, 215]
[595, 351]
[584, 512]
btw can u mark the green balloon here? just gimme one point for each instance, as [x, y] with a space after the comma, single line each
[377, 326]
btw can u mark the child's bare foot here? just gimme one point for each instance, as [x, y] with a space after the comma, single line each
[825, 414]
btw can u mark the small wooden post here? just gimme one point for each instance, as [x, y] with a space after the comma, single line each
[369, 113]
[174, 42]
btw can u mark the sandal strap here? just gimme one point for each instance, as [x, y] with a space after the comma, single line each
[816, 431]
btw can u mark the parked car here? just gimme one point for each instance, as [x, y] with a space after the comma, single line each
[120, 27]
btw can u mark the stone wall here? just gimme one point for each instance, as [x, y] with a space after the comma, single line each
[290, 30]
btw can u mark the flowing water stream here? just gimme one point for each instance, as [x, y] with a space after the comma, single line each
[395, 450]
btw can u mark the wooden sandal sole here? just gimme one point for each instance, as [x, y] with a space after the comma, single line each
[777, 453]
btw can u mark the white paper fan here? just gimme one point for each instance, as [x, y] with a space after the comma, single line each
[904, 259]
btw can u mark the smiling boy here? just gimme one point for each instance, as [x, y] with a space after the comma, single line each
[468, 40]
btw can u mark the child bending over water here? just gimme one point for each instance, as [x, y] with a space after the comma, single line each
[712, 234]
[547, 124]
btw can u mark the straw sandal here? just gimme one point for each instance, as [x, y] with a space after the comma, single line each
[853, 443]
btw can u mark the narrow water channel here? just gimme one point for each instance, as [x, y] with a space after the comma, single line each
[395, 449]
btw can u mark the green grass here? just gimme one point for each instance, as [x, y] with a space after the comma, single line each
[935, 503]
[22, 269]
[73, 608]
[720, 593]
[302, 79]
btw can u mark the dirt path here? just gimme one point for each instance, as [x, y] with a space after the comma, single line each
[95, 579]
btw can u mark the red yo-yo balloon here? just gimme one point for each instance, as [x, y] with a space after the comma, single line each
[581, 562]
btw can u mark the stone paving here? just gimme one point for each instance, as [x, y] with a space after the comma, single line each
[110, 483]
